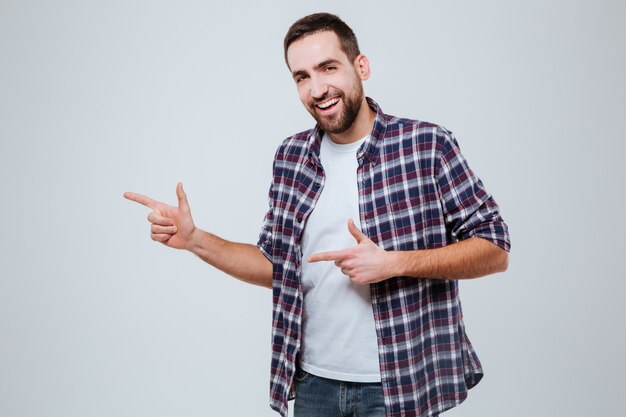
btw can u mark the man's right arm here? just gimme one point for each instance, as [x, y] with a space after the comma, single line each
[174, 227]
[240, 260]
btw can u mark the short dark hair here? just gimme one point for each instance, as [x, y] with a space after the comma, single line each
[321, 22]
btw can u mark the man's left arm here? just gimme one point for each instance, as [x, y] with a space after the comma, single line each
[471, 258]
[480, 239]
[367, 263]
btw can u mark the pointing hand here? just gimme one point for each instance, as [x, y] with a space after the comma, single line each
[365, 263]
[172, 226]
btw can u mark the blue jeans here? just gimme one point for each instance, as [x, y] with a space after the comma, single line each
[321, 397]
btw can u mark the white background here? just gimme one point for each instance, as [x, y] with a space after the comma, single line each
[98, 98]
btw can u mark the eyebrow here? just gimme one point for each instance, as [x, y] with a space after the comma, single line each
[317, 66]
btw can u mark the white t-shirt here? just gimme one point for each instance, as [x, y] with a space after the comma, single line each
[339, 338]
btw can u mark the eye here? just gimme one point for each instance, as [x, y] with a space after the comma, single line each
[329, 68]
[300, 77]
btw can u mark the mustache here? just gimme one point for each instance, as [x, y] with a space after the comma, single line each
[326, 96]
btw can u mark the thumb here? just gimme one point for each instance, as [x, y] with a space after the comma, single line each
[355, 232]
[182, 197]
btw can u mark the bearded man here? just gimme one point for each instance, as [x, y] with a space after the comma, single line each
[373, 219]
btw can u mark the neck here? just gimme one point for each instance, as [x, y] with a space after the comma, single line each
[361, 127]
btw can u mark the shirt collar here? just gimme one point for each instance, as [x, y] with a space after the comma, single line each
[370, 148]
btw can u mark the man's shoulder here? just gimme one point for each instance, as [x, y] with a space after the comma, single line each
[388, 126]
[410, 124]
[300, 138]
[295, 143]
[402, 128]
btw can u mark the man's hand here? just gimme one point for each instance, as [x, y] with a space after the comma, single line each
[172, 226]
[365, 263]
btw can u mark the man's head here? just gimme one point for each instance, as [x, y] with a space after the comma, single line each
[323, 55]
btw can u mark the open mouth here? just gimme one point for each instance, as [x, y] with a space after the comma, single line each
[327, 104]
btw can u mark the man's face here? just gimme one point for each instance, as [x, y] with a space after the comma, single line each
[327, 82]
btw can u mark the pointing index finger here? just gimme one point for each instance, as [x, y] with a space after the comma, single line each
[141, 199]
[336, 255]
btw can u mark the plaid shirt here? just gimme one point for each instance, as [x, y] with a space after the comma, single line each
[416, 191]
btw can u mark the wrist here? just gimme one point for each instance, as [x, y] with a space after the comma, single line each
[193, 242]
[395, 264]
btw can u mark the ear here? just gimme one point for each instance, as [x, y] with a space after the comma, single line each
[362, 67]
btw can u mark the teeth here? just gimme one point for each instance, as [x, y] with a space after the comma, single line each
[328, 103]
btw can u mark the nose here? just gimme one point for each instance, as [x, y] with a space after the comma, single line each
[318, 88]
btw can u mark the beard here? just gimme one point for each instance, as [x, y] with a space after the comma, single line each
[341, 122]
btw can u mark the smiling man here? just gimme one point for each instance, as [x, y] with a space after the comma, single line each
[366, 319]
[331, 89]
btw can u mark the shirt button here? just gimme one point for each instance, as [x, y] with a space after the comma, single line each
[299, 219]
[316, 185]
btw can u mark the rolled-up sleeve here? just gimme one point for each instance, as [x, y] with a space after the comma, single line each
[470, 211]
[265, 236]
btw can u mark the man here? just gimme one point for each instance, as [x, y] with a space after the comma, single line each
[366, 318]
